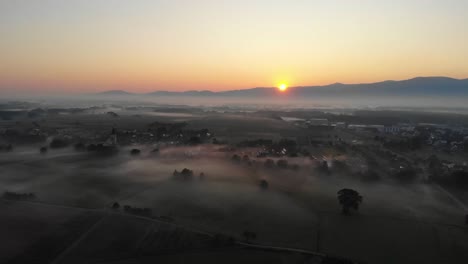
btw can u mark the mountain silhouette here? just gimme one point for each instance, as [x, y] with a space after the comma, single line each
[420, 86]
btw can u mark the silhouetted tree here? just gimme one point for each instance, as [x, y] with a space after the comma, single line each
[112, 114]
[323, 167]
[220, 240]
[43, 150]
[116, 205]
[19, 196]
[91, 147]
[58, 143]
[80, 147]
[248, 236]
[155, 151]
[185, 174]
[6, 148]
[263, 184]
[195, 140]
[236, 158]
[349, 199]
[135, 152]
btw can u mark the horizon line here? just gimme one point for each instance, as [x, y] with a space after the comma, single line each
[274, 87]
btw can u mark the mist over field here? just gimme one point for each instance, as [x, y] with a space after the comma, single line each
[273, 171]
[78, 178]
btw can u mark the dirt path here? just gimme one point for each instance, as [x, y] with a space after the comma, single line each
[457, 201]
[62, 255]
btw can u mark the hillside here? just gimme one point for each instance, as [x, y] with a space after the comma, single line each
[421, 86]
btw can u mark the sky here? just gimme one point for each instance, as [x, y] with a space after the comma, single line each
[79, 46]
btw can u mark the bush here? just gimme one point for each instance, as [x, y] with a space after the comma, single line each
[185, 174]
[19, 196]
[236, 158]
[80, 147]
[58, 143]
[137, 211]
[6, 148]
[43, 150]
[263, 184]
[135, 152]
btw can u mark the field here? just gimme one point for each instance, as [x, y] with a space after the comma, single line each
[404, 223]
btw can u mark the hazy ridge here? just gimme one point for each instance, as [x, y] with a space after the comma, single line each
[420, 86]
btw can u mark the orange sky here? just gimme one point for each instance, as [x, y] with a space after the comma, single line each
[83, 46]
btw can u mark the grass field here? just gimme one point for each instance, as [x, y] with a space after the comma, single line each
[397, 223]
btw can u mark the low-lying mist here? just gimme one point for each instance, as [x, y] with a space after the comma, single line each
[221, 196]
[82, 179]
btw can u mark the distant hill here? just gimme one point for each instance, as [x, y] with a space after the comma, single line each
[187, 93]
[115, 92]
[421, 86]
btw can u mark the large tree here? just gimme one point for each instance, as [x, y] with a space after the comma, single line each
[349, 199]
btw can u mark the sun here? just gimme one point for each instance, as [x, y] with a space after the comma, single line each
[282, 87]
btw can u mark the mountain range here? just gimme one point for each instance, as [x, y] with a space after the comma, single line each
[420, 86]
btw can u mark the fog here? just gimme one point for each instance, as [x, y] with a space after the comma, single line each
[228, 194]
[429, 103]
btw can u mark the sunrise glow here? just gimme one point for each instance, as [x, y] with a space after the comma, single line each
[143, 46]
[282, 87]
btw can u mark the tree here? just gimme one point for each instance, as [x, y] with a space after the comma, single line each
[116, 205]
[323, 167]
[263, 184]
[112, 114]
[80, 146]
[349, 199]
[219, 240]
[155, 151]
[248, 235]
[195, 140]
[58, 143]
[135, 152]
[43, 150]
[185, 174]
[236, 158]
[6, 148]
